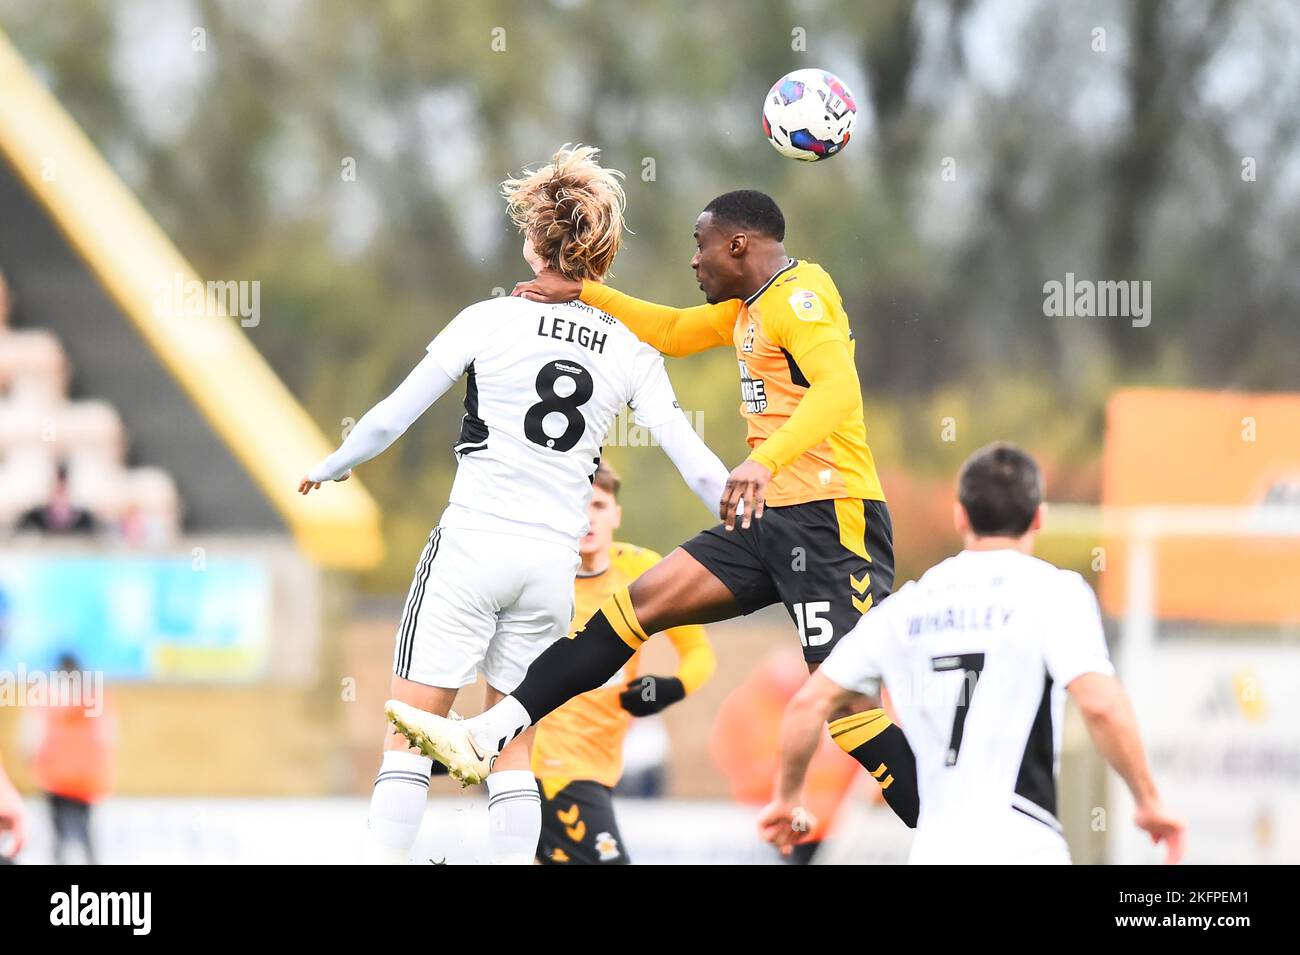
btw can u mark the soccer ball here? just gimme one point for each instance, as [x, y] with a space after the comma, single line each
[809, 115]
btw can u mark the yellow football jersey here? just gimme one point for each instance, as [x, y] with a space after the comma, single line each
[583, 739]
[796, 310]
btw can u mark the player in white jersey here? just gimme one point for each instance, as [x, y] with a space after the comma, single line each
[978, 656]
[494, 585]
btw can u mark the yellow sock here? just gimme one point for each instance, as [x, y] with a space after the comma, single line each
[851, 732]
[617, 609]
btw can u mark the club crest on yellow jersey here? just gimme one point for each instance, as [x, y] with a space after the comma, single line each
[807, 306]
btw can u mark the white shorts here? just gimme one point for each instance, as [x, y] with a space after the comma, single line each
[483, 601]
[990, 839]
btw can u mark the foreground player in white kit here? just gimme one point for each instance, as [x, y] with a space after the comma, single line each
[977, 656]
[494, 585]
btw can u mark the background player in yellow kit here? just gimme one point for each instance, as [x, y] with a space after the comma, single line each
[578, 749]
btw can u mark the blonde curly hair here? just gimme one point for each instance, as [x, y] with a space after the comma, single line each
[571, 210]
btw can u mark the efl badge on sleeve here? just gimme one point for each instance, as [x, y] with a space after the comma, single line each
[807, 306]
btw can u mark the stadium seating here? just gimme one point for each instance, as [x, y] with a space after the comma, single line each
[41, 428]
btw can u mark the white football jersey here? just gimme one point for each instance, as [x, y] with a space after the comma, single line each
[545, 383]
[976, 656]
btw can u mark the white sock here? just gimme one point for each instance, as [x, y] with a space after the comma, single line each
[498, 725]
[397, 806]
[514, 817]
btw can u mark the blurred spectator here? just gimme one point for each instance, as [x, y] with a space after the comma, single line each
[745, 743]
[60, 515]
[73, 761]
[11, 819]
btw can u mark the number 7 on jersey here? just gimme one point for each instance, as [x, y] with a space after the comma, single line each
[971, 665]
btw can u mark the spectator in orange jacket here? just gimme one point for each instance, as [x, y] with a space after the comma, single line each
[73, 762]
[745, 743]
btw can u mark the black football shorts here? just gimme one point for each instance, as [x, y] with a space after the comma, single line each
[829, 562]
[579, 828]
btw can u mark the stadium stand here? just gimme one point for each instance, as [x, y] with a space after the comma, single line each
[183, 443]
[44, 434]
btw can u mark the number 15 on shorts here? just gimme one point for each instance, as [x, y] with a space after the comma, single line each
[814, 630]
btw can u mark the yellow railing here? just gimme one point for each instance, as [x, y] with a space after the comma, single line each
[205, 350]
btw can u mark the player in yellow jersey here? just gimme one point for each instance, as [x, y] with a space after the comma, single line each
[578, 749]
[814, 534]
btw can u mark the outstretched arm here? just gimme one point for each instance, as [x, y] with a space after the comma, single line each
[783, 822]
[802, 728]
[384, 423]
[1112, 725]
[856, 663]
[1074, 649]
[673, 331]
[701, 469]
[655, 406]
